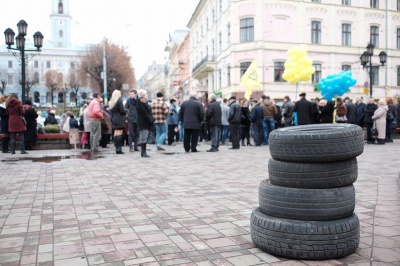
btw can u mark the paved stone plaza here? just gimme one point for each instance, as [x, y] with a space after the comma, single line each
[174, 208]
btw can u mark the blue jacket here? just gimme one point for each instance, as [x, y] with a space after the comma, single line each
[257, 114]
[173, 117]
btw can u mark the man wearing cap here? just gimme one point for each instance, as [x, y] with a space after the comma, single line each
[213, 117]
[235, 117]
[191, 114]
[160, 110]
[304, 109]
[95, 113]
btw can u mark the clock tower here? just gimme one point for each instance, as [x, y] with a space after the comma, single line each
[60, 23]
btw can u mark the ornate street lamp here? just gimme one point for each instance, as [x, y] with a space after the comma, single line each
[366, 61]
[20, 46]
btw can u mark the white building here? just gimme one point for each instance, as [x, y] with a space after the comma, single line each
[57, 54]
[227, 35]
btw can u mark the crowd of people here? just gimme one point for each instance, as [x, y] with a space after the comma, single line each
[135, 123]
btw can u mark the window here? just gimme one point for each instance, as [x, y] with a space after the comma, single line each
[228, 29]
[48, 65]
[398, 38]
[278, 71]
[61, 97]
[10, 79]
[398, 76]
[60, 33]
[315, 32]
[220, 6]
[219, 79]
[316, 77]
[374, 36]
[228, 76]
[220, 41]
[346, 34]
[398, 5]
[36, 64]
[243, 67]
[36, 77]
[60, 7]
[375, 75]
[374, 3]
[247, 30]
[72, 65]
[316, 1]
[10, 64]
[346, 2]
[346, 67]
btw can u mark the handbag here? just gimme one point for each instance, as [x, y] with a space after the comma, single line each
[374, 130]
[339, 118]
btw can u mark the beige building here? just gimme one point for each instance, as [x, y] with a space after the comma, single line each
[227, 35]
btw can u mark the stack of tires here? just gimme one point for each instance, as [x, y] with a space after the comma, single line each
[306, 207]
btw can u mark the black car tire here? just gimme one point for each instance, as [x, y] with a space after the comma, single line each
[308, 240]
[316, 143]
[306, 204]
[312, 175]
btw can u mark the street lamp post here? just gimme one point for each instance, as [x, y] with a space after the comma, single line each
[20, 46]
[366, 58]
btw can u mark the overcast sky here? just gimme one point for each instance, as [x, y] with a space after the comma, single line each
[142, 26]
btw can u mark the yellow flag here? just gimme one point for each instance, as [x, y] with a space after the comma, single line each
[251, 79]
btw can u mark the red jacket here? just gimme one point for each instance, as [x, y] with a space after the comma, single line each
[15, 110]
[95, 111]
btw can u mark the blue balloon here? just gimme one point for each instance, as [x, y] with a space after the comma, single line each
[336, 84]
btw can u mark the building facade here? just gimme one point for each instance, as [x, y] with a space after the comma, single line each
[227, 35]
[58, 54]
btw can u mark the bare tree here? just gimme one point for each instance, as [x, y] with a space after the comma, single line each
[3, 79]
[75, 83]
[29, 81]
[52, 82]
[119, 68]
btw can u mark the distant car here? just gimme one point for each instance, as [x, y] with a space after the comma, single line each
[48, 105]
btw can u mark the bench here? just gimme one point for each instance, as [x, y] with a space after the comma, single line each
[51, 141]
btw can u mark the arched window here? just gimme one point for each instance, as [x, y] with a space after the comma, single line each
[72, 97]
[48, 97]
[36, 77]
[84, 95]
[36, 97]
[60, 7]
[61, 97]
[60, 33]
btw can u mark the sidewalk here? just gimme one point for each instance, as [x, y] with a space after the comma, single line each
[174, 208]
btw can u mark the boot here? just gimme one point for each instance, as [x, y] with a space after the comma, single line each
[4, 143]
[143, 152]
[243, 142]
[119, 144]
[22, 145]
[12, 142]
[248, 143]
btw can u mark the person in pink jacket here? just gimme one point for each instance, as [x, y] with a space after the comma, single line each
[95, 113]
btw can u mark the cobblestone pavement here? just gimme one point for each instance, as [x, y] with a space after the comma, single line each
[173, 208]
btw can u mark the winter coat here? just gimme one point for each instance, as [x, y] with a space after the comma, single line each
[130, 105]
[173, 116]
[269, 109]
[235, 113]
[326, 115]
[94, 110]
[257, 114]
[287, 110]
[245, 121]
[87, 121]
[4, 119]
[118, 115]
[191, 113]
[369, 112]
[214, 114]
[351, 113]
[106, 125]
[360, 114]
[225, 114]
[379, 118]
[145, 118]
[304, 109]
[15, 111]
[50, 120]
[314, 113]
[31, 124]
[392, 109]
[73, 123]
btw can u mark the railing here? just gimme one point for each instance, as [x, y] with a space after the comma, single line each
[207, 58]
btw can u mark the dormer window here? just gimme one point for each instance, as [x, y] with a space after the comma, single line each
[60, 7]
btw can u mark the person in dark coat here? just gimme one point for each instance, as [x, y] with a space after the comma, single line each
[245, 123]
[360, 109]
[256, 118]
[145, 120]
[214, 119]
[287, 112]
[133, 133]
[235, 117]
[51, 118]
[326, 115]
[31, 125]
[390, 118]
[191, 114]
[16, 124]
[5, 141]
[370, 109]
[351, 111]
[106, 127]
[314, 111]
[303, 108]
[118, 118]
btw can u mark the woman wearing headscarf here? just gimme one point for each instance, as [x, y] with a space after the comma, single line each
[145, 120]
[31, 125]
[118, 117]
[379, 118]
[16, 123]
[4, 124]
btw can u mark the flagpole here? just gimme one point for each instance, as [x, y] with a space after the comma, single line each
[295, 96]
